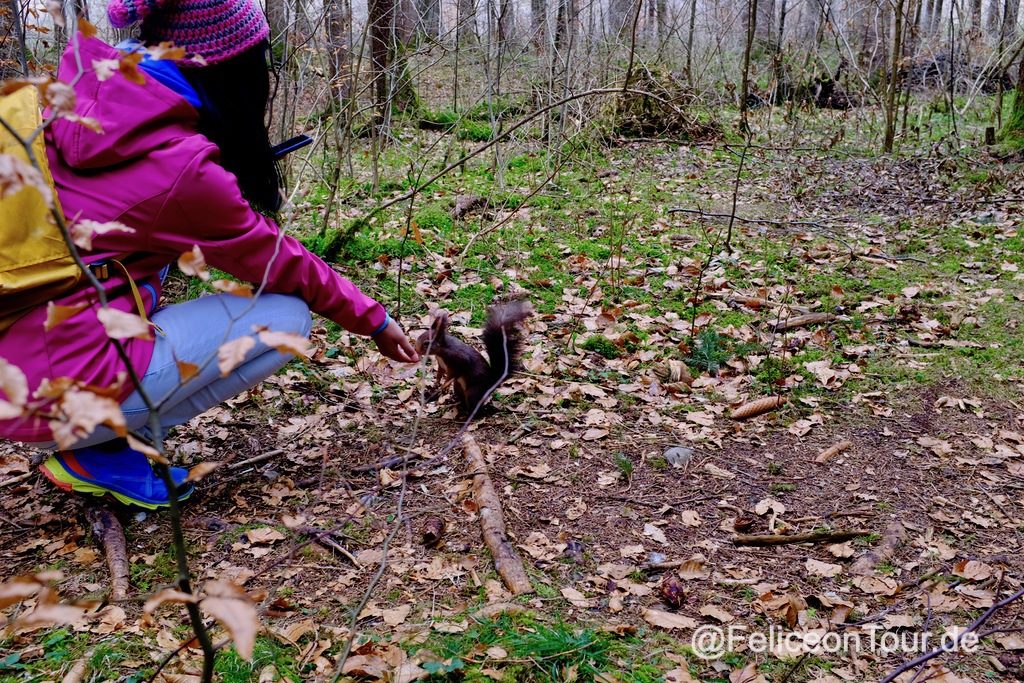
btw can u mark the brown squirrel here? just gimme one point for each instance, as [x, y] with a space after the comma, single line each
[458, 363]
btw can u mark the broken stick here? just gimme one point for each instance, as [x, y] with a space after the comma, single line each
[822, 537]
[802, 321]
[833, 451]
[506, 560]
[106, 527]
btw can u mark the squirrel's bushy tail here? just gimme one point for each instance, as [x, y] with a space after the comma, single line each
[502, 337]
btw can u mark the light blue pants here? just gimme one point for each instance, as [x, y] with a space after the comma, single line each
[192, 332]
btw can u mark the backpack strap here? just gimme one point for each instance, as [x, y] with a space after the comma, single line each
[101, 271]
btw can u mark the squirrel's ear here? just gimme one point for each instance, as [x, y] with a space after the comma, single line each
[440, 322]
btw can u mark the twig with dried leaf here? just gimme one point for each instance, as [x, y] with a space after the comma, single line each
[951, 645]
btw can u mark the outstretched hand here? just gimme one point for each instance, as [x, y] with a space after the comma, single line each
[393, 343]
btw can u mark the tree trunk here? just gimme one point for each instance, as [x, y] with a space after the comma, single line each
[538, 22]
[870, 39]
[466, 13]
[620, 17]
[1009, 31]
[894, 78]
[12, 42]
[565, 23]
[277, 17]
[745, 84]
[1013, 129]
[993, 20]
[506, 22]
[339, 52]
[765, 21]
[663, 21]
[976, 16]
[689, 43]
[429, 17]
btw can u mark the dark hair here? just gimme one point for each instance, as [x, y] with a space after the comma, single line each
[235, 94]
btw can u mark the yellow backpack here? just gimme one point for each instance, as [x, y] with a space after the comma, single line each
[35, 263]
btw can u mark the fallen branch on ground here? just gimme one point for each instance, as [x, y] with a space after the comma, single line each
[955, 643]
[325, 537]
[833, 451]
[108, 530]
[506, 560]
[820, 537]
[255, 460]
[798, 321]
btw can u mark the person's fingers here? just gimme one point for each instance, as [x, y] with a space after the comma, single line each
[410, 351]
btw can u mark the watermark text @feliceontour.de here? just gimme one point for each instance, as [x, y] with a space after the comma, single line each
[711, 642]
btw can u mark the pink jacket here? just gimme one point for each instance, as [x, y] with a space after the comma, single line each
[152, 171]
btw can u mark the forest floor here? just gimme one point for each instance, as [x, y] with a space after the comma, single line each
[918, 261]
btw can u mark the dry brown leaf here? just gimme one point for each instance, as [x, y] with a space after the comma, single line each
[105, 68]
[13, 385]
[147, 450]
[690, 518]
[201, 470]
[232, 354]
[122, 325]
[576, 598]
[1011, 641]
[241, 289]
[668, 620]
[679, 675]
[83, 231]
[758, 407]
[128, 65]
[265, 535]
[973, 570]
[55, 314]
[747, 674]
[186, 370]
[83, 411]
[194, 263]
[823, 568]
[16, 175]
[47, 615]
[406, 672]
[230, 606]
[396, 616]
[19, 588]
[717, 613]
[164, 596]
[693, 568]
[655, 533]
[876, 585]
[286, 342]
[365, 666]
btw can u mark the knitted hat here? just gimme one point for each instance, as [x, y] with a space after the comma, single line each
[217, 30]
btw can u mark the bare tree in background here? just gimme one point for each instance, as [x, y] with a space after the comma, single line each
[765, 21]
[339, 51]
[466, 18]
[12, 41]
[430, 17]
[538, 21]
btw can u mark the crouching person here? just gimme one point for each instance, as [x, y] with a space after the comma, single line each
[182, 160]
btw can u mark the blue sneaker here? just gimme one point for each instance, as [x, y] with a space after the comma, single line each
[123, 473]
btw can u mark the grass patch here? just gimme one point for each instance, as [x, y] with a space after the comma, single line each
[539, 652]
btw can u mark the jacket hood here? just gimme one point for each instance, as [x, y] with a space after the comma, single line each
[136, 118]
